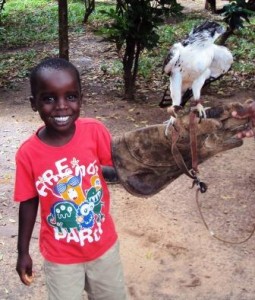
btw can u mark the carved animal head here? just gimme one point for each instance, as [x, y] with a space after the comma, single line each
[144, 159]
[218, 132]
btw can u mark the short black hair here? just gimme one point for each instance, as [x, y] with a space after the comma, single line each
[51, 63]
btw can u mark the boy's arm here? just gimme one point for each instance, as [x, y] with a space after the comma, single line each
[110, 174]
[27, 216]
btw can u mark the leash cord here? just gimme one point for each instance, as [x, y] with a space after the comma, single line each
[212, 233]
[202, 187]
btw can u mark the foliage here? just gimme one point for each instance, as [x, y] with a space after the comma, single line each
[31, 23]
[16, 56]
[2, 2]
[241, 45]
[235, 13]
[138, 20]
[135, 25]
[16, 65]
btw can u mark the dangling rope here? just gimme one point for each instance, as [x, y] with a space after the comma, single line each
[202, 187]
[212, 233]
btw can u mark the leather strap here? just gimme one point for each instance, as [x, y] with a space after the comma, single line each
[177, 155]
[202, 187]
[193, 140]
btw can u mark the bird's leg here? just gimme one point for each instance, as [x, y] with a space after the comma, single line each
[169, 123]
[198, 106]
[172, 110]
[196, 89]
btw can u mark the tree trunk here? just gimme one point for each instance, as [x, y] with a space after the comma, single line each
[128, 61]
[63, 29]
[89, 8]
[120, 7]
[225, 36]
[136, 63]
[2, 2]
[210, 5]
[251, 5]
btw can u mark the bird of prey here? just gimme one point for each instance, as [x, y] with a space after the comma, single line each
[193, 62]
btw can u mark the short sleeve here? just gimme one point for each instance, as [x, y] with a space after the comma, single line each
[24, 188]
[104, 146]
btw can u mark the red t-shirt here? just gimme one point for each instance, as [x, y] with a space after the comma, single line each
[74, 199]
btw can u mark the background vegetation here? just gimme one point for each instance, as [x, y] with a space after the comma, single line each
[29, 32]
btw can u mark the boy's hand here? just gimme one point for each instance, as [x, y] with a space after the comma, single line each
[249, 112]
[24, 268]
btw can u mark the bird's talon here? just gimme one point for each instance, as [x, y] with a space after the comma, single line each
[169, 123]
[201, 111]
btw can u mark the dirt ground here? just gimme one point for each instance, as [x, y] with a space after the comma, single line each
[167, 251]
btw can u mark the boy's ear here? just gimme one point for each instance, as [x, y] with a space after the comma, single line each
[32, 103]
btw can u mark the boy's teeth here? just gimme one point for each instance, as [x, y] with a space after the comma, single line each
[61, 119]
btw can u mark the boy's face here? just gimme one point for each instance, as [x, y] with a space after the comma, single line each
[58, 99]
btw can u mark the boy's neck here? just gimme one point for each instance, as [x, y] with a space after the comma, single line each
[55, 138]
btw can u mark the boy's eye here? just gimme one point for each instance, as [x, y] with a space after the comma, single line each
[72, 97]
[48, 99]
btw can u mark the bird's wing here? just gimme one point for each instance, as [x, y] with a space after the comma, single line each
[172, 58]
[222, 61]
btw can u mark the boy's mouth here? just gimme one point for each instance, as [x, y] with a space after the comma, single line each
[61, 120]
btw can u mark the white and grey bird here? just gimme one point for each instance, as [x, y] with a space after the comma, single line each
[194, 61]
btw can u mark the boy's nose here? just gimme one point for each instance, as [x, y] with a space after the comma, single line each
[61, 103]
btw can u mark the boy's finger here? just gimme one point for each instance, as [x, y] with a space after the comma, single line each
[27, 279]
[242, 113]
[246, 133]
[249, 133]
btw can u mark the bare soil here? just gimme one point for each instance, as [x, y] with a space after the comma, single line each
[166, 249]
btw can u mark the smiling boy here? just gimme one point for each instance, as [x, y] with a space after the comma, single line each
[60, 167]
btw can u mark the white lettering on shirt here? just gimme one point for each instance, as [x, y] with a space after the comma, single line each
[49, 178]
[81, 236]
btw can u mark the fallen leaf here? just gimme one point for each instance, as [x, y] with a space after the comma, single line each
[226, 197]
